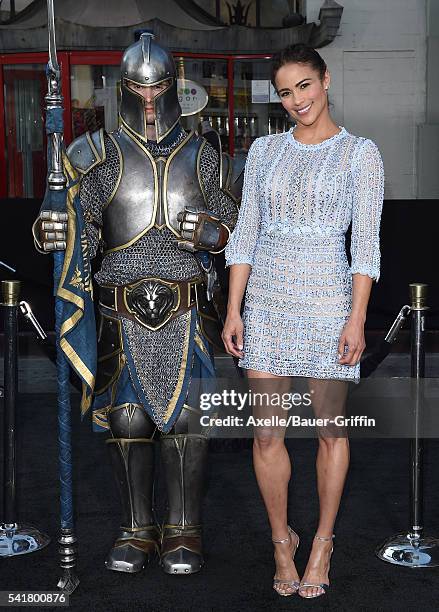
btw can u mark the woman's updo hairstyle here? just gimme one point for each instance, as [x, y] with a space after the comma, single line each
[297, 54]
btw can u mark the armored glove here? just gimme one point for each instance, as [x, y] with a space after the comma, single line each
[50, 231]
[201, 231]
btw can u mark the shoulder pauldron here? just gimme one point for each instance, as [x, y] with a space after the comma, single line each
[87, 151]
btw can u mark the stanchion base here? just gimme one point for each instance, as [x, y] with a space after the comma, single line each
[410, 551]
[68, 581]
[16, 539]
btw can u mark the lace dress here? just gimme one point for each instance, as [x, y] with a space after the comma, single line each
[298, 201]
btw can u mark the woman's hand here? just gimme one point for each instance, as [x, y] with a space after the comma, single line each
[352, 336]
[233, 328]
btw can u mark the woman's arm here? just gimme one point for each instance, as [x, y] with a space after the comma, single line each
[234, 328]
[353, 331]
[368, 176]
[240, 253]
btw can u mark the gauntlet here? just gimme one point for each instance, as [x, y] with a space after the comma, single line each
[201, 231]
[50, 231]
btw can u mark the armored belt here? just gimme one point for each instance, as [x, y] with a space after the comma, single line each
[152, 302]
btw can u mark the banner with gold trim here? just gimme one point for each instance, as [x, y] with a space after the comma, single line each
[78, 328]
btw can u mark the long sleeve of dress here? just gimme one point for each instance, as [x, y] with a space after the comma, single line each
[368, 193]
[242, 243]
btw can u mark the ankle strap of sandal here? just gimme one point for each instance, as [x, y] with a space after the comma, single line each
[287, 539]
[327, 539]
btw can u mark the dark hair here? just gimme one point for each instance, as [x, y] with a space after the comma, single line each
[297, 54]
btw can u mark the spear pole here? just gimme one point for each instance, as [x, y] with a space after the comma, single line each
[56, 195]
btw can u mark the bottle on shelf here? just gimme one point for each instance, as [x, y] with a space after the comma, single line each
[253, 127]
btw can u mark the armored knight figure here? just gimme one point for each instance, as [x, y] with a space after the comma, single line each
[157, 202]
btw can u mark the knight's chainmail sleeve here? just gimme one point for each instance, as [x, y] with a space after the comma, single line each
[218, 202]
[95, 190]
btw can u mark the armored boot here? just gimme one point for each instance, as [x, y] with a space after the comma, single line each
[133, 464]
[184, 462]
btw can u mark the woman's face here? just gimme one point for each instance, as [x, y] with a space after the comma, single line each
[302, 93]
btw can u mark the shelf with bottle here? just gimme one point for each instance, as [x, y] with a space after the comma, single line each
[278, 123]
[246, 130]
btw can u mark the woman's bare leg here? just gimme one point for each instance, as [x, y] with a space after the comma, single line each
[329, 398]
[273, 471]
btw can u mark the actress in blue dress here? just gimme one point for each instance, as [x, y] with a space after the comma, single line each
[305, 307]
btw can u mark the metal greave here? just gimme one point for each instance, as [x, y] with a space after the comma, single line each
[184, 463]
[133, 465]
[132, 454]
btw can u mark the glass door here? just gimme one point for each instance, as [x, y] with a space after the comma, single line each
[95, 97]
[25, 87]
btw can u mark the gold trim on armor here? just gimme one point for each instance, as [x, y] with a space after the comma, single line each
[180, 546]
[113, 354]
[112, 409]
[115, 376]
[79, 364]
[220, 153]
[192, 409]
[177, 390]
[181, 527]
[97, 157]
[146, 528]
[118, 352]
[132, 543]
[200, 343]
[203, 191]
[183, 435]
[165, 180]
[101, 413]
[128, 440]
[125, 125]
[156, 184]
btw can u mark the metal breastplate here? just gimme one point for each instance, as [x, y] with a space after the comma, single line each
[151, 192]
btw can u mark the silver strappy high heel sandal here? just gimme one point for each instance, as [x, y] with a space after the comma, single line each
[323, 586]
[279, 584]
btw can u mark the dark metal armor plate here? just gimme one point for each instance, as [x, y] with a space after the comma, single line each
[87, 151]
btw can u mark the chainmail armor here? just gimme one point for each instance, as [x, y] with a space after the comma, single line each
[95, 189]
[162, 150]
[218, 202]
[155, 254]
[150, 348]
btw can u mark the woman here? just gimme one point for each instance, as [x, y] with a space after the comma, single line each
[305, 308]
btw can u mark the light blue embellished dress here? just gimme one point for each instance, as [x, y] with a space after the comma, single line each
[298, 201]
